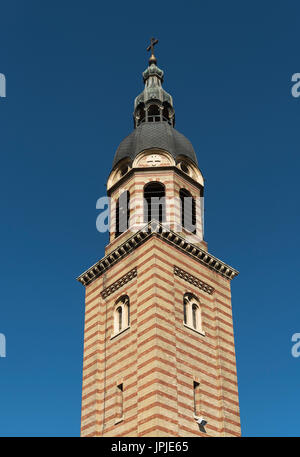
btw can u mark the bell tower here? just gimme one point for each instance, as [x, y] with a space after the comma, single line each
[159, 354]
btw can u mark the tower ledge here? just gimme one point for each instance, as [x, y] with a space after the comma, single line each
[154, 228]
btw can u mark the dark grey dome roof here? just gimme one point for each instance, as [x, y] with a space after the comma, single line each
[155, 135]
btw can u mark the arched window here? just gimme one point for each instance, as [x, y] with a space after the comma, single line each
[153, 113]
[124, 170]
[185, 309]
[121, 314]
[192, 312]
[154, 202]
[122, 213]
[187, 210]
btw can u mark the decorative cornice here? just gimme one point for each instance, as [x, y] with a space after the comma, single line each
[147, 169]
[119, 283]
[154, 228]
[193, 280]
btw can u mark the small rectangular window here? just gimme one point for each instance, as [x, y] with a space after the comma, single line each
[197, 398]
[119, 402]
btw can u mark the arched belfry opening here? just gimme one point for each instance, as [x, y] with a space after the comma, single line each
[153, 113]
[122, 213]
[154, 202]
[187, 210]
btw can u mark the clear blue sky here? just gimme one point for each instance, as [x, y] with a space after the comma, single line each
[73, 69]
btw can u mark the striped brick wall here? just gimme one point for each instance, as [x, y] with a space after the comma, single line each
[158, 358]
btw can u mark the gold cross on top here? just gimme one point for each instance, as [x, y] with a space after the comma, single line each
[153, 42]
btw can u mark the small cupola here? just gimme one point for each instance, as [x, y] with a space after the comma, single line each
[154, 104]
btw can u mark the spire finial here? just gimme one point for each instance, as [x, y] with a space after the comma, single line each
[153, 42]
